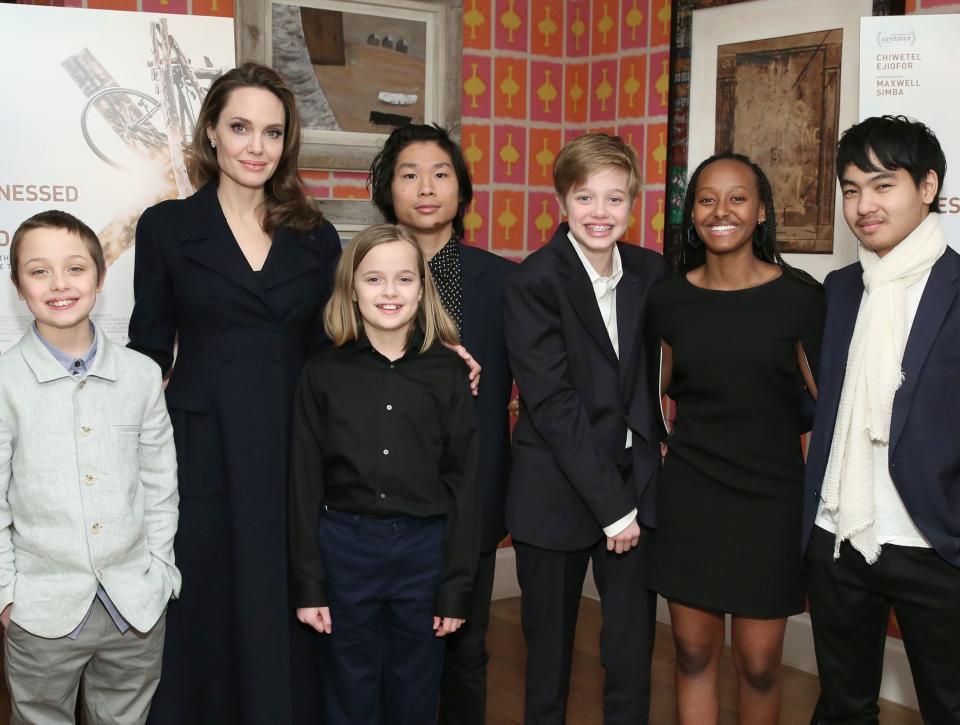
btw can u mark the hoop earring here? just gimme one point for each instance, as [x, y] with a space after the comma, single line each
[693, 240]
[759, 235]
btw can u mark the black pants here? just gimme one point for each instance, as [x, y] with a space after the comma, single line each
[551, 584]
[850, 603]
[382, 659]
[463, 692]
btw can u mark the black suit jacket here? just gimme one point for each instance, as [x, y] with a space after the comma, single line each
[577, 398]
[484, 276]
[924, 453]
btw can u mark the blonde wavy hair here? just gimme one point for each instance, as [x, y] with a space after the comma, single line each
[341, 317]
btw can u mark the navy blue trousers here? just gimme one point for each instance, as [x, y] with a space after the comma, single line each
[382, 660]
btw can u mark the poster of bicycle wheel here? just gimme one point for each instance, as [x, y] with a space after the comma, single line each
[96, 107]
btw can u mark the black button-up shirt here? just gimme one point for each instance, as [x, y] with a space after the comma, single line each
[381, 438]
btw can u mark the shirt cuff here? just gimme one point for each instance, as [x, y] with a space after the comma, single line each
[620, 524]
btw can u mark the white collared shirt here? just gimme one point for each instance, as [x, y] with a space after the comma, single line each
[605, 288]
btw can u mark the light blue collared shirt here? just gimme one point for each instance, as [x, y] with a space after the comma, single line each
[78, 368]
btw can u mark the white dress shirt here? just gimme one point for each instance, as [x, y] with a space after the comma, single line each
[605, 288]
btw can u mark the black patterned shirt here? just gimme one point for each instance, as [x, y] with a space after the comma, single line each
[447, 270]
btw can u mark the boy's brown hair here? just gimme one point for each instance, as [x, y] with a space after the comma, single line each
[55, 219]
[590, 153]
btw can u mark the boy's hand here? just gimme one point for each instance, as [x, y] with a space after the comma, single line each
[5, 616]
[473, 365]
[446, 625]
[316, 617]
[625, 540]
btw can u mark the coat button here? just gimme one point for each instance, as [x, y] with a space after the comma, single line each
[96, 528]
[88, 479]
[85, 430]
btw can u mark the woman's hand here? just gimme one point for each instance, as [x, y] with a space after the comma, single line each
[473, 365]
[446, 625]
[316, 617]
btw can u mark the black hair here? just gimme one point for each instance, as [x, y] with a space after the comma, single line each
[385, 163]
[691, 253]
[897, 142]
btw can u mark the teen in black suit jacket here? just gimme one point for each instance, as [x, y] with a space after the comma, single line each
[420, 179]
[579, 488]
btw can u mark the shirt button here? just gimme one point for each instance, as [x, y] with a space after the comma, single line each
[96, 528]
[383, 495]
[77, 363]
[88, 479]
[386, 451]
[389, 407]
[85, 430]
[392, 366]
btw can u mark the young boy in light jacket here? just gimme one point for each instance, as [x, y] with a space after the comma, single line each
[88, 494]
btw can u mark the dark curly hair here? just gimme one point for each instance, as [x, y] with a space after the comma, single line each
[690, 252]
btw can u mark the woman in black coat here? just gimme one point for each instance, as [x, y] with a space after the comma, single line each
[232, 282]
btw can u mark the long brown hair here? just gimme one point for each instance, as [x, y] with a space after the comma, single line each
[341, 318]
[286, 201]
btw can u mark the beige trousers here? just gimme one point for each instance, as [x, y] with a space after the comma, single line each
[119, 673]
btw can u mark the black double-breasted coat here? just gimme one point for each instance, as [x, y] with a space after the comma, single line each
[234, 651]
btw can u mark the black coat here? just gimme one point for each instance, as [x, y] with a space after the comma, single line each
[484, 276]
[577, 398]
[923, 457]
[234, 652]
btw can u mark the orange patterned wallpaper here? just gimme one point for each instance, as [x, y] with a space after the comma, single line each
[538, 73]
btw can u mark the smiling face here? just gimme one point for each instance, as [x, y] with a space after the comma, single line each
[598, 212]
[387, 290]
[425, 191]
[883, 207]
[57, 278]
[249, 137]
[727, 206]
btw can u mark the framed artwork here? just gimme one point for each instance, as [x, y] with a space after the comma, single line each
[778, 102]
[359, 68]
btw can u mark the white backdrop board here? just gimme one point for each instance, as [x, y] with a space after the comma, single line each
[82, 107]
[908, 65]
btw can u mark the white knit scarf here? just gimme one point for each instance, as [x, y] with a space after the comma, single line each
[871, 380]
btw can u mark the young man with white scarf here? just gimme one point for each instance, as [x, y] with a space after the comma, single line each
[882, 501]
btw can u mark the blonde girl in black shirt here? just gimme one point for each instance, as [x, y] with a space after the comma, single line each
[383, 518]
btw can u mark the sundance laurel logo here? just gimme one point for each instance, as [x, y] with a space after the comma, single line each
[887, 39]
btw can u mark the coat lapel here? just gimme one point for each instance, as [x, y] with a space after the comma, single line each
[208, 241]
[938, 296]
[630, 293]
[580, 292]
[291, 255]
[474, 305]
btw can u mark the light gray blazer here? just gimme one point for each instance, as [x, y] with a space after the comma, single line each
[88, 488]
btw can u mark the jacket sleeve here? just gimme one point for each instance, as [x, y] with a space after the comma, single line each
[458, 472]
[307, 575]
[538, 358]
[153, 325]
[158, 475]
[8, 572]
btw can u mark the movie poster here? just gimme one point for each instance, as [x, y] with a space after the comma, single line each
[908, 65]
[96, 107]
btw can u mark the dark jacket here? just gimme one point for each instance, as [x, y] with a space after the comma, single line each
[577, 398]
[924, 457]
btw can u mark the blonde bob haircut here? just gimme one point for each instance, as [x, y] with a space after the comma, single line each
[590, 153]
[341, 317]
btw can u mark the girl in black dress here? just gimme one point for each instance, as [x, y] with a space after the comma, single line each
[739, 329]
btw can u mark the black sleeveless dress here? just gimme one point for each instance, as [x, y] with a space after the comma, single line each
[730, 493]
